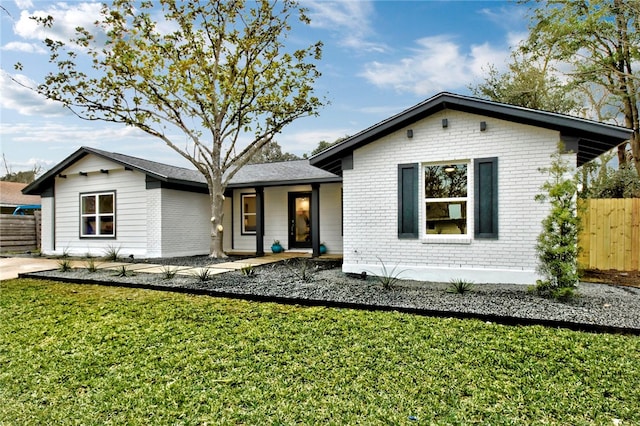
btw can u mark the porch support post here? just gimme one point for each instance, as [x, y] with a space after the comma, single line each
[315, 219]
[259, 221]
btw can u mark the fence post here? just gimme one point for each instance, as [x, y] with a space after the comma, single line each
[38, 216]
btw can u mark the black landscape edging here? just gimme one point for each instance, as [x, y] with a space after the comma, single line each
[498, 319]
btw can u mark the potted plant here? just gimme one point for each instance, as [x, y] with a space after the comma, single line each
[323, 248]
[276, 247]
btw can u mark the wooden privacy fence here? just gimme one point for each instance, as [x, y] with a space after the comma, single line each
[610, 237]
[19, 233]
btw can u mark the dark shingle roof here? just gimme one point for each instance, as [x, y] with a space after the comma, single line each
[282, 173]
[593, 138]
[269, 174]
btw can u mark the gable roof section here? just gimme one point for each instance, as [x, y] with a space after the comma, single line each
[593, 138]
[251, 175]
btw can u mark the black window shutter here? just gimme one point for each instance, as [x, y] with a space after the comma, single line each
[486, 197]
[408, 200]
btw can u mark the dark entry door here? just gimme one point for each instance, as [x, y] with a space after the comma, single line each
[299, 220]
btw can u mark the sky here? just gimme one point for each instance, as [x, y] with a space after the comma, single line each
[379, 58]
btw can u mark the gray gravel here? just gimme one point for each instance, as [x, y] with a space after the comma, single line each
[596, 306]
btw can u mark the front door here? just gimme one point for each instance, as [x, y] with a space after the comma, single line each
[299, 220]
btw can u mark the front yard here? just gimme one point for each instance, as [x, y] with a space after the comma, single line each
[81, 354]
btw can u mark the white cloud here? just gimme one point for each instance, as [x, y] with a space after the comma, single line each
[303, 142]
[24, 4]
[19, 46]
[67, 17]
[506, 17]
[17, 97]
[349, 20]
[437, 63]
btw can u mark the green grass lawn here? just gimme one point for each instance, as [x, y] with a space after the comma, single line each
[74, 354]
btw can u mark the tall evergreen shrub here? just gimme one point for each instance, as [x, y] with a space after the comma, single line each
[557, 245]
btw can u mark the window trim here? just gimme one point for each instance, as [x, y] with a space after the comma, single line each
[97, 215]
[444, 238]
[253, 195]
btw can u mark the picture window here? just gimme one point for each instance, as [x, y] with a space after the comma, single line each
[445, 191]
[98, 215]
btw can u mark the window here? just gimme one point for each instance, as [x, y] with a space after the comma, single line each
[248, 213]
[445, 190]
[486, 197]
[97, 215]
[408, 202]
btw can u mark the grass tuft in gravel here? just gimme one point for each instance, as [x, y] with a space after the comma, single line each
[84, 354]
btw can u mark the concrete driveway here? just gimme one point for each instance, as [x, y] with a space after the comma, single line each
[10, 267]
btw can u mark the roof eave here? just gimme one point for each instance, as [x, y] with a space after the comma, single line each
[241, 185]
[46, 180]
[574, 126]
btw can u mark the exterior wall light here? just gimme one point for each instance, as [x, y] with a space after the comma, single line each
[445, 123]
[483, 126]
[410, 133]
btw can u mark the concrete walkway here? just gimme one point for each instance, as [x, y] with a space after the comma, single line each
[10, 267]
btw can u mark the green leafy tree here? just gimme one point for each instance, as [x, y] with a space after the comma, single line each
[271, 153]
[620, 183]
[322, 145]
[600, 41]
[557, 245]
[528, 85]
[212, 80]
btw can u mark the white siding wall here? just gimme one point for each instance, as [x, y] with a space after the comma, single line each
[371, 200]
[46, 236]
[131, 208]
[331, 217]
[276, 217]
[186, 223]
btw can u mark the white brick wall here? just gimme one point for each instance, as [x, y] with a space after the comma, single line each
[186, 223]
[370, 200]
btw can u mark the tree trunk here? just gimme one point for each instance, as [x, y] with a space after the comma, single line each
[635, 149]
[216, 197]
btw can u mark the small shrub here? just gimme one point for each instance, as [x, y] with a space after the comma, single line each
[204, 275]
[168, 272]
[549, 289]
[459, 286]
[302, 269]
[112, 253]
[388, 277]
[248, 270]
[91, 265]
[123, 271]
[65, 252]
[563, 294]
[64, 265]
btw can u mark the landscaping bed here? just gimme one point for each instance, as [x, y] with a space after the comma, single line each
[595, 307]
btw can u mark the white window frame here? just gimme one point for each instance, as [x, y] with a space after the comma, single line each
[468, 216]
[98, 215]
[244, 214]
